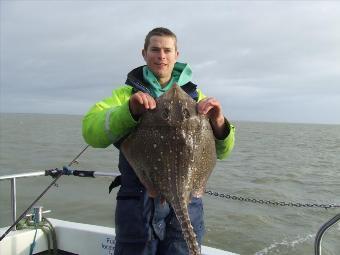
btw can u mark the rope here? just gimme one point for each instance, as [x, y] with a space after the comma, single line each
[53, 235]
[46, 227]
[34, 241]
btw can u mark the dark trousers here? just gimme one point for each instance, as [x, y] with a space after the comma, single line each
[156, 230]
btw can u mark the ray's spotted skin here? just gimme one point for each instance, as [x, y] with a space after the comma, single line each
[172, 151]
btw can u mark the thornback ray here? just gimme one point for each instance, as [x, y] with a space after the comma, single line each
[172, 151]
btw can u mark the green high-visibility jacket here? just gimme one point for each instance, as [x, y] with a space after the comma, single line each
[110, 120]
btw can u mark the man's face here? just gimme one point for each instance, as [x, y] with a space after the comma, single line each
[161, 56]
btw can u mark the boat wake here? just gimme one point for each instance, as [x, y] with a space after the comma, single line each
[277, 247]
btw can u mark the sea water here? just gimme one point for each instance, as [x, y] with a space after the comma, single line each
[270, 161]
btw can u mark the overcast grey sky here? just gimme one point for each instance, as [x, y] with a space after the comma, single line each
[264, 60]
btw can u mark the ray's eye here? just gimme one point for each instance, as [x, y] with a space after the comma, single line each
[166, 114]
[186, 113]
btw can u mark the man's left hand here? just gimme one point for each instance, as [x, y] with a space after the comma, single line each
[212, 108]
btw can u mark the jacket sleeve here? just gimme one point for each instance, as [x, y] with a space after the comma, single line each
[225, 146]
[109, 120]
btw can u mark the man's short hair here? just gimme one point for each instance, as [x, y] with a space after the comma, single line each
[159, 31]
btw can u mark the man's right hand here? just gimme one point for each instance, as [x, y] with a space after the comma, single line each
[140, 102]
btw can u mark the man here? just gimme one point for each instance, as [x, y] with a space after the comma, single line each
[144, 226]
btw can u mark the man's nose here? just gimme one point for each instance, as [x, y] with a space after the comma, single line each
[161, 54]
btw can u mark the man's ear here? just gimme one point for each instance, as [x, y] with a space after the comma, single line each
[144, 54]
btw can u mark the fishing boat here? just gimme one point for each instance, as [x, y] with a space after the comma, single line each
[32, 233]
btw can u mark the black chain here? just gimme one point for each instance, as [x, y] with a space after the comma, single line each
[270, 202]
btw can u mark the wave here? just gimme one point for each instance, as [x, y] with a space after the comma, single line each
[277, 247]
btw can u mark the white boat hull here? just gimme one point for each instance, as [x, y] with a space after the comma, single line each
[72, 238]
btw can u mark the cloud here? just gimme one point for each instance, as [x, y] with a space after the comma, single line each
[255, 56]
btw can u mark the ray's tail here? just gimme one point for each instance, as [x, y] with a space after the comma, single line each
[182, 214]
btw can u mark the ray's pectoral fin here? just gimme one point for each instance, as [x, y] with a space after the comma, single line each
[132, 155]
[200, 183]
[198, 190]
[205, 159]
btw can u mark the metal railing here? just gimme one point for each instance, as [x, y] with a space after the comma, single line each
[13, 177]
[322, 231]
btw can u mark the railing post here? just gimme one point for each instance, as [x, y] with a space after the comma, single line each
[14, 200]
[321, 232]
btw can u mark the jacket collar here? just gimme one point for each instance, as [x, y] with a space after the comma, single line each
[136, 80]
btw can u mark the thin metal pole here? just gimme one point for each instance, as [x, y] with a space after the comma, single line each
[14, 200]
[22, 175]
[321, 232]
